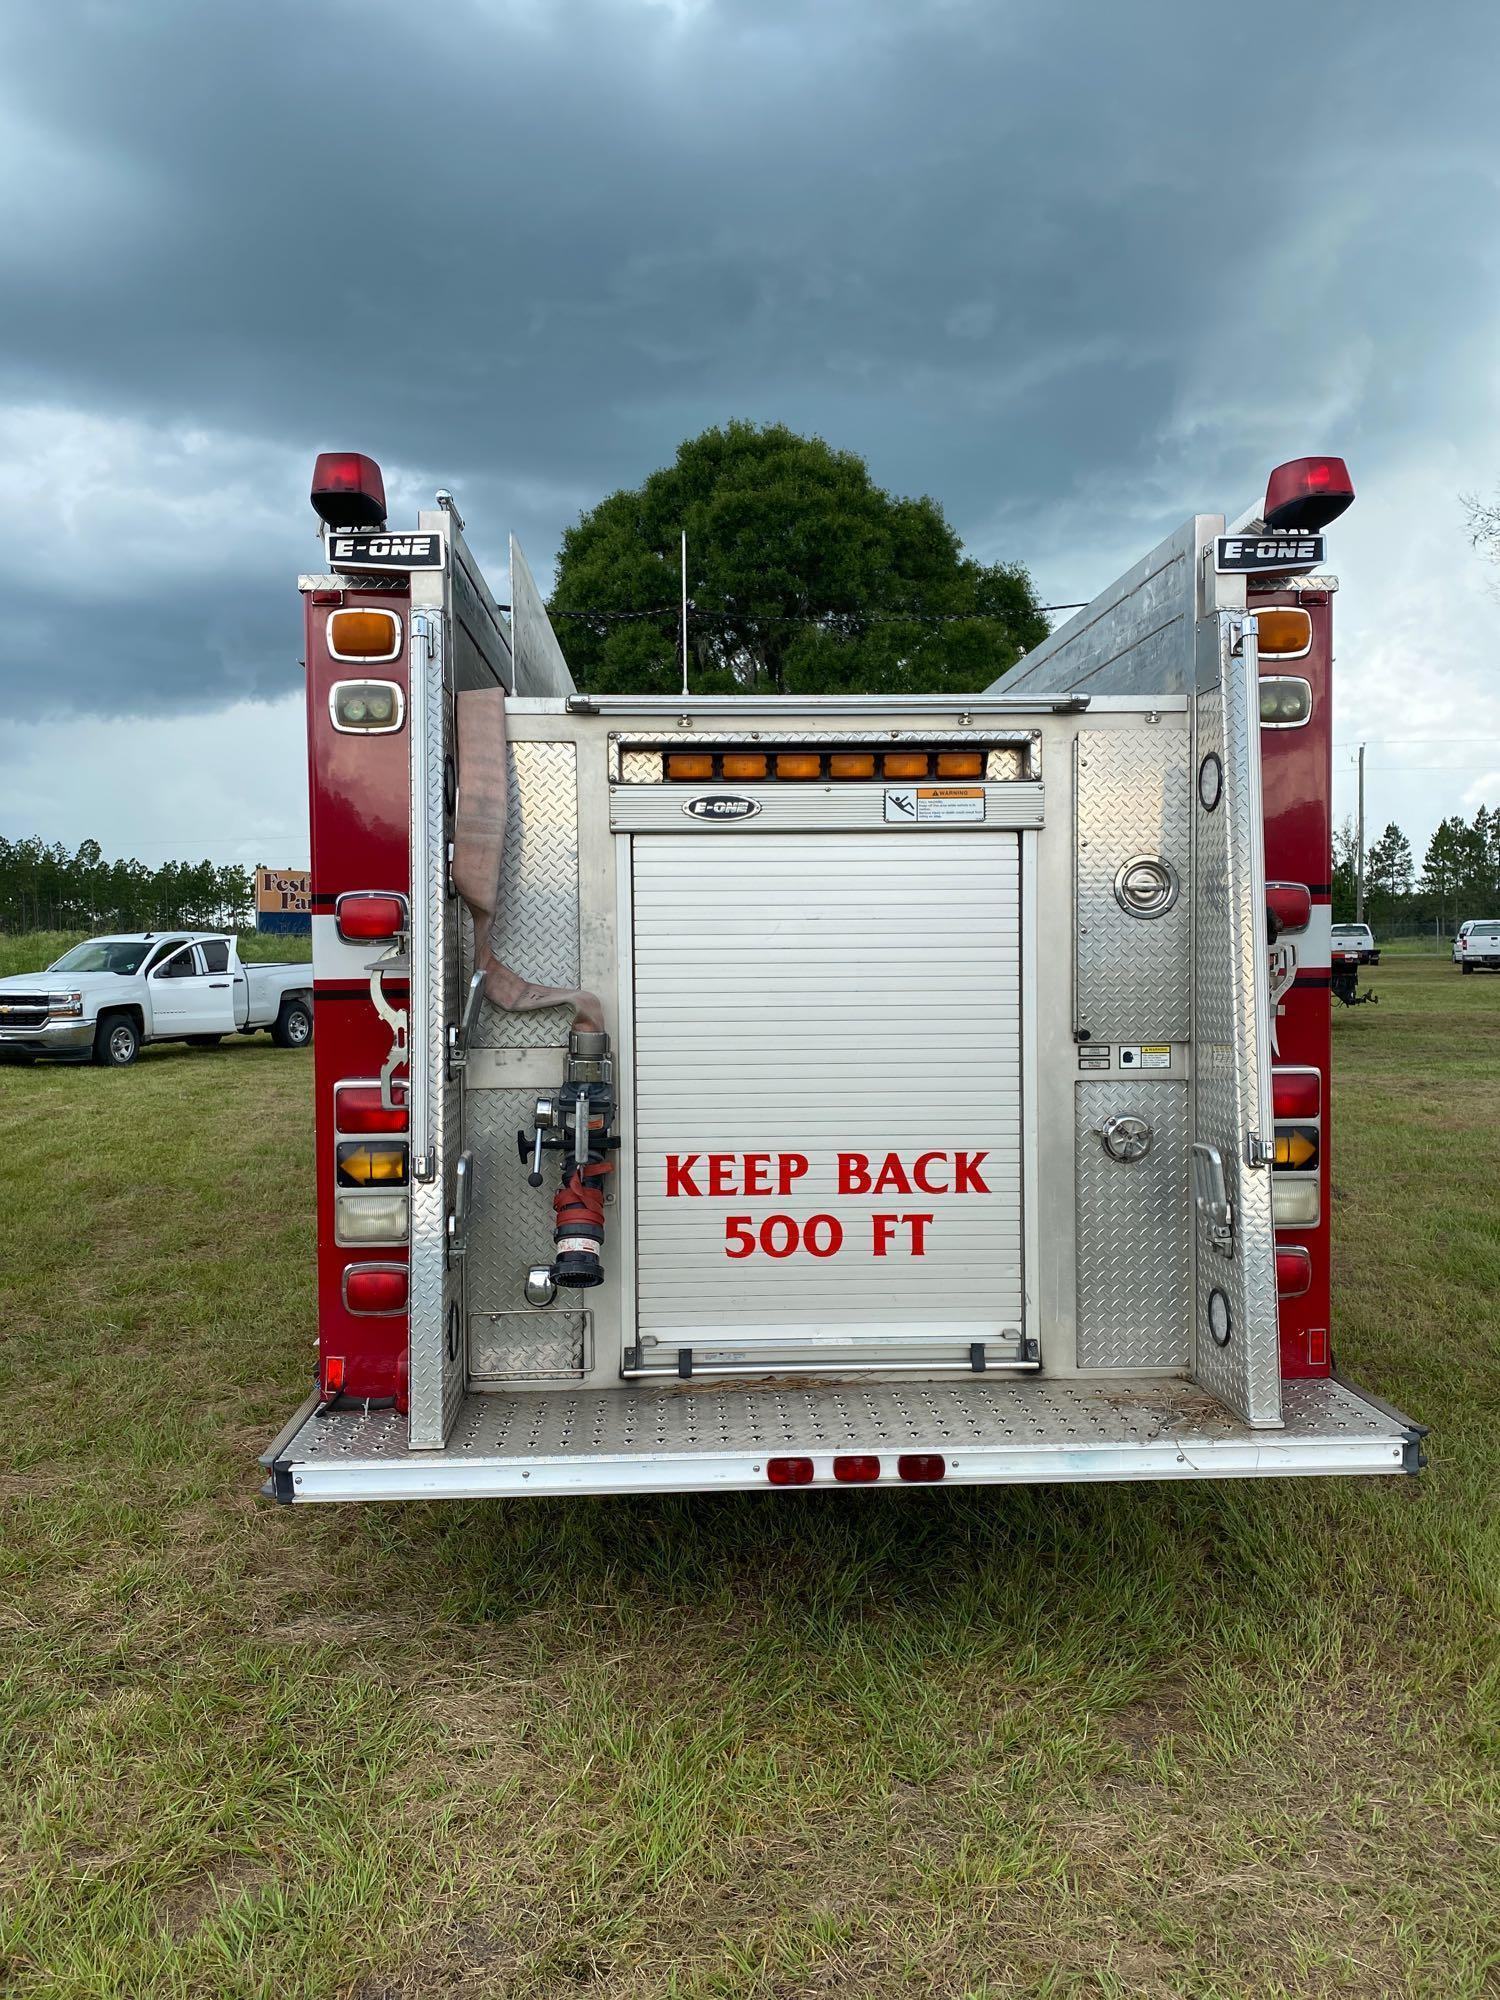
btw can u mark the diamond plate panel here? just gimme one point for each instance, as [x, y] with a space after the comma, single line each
[1131, 795]
[436, 1351]
[1231, 1035]
[513, 1222]
[1132, 1252]
[639, 1422]
[536, 926]
[527, 1346]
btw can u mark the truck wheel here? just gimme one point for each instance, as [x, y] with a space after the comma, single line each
[204, 1041]
[1466, 970]
[117, 1042]
[294, 1027]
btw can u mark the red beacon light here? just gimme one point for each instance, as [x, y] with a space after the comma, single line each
[366, 916]
[1306, 494]
[348, 491]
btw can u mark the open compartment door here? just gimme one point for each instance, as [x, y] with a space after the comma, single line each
[441, 1172]
[1235, 1333]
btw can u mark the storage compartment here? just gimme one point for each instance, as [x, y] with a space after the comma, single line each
[827, 1100]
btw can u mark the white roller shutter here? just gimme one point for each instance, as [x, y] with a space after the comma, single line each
[840, 994]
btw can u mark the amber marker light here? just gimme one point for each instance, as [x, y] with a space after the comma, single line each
[905, 764]
[798, 764]
[960, 764]
[851, 764]
[688, 768]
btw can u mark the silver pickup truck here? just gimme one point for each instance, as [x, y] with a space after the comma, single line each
[106, 998]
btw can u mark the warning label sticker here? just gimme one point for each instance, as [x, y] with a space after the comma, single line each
[924, 804]
[1148, 1056]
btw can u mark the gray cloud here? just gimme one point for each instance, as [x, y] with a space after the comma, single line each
[1073, 270]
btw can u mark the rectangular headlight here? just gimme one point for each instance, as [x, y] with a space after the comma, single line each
[67, 1005]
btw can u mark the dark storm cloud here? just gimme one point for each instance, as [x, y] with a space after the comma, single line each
[1024, 257]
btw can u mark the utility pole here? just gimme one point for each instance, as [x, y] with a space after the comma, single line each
[1359, 859]
[684, 612]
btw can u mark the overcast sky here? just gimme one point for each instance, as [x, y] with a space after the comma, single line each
[1077, 270]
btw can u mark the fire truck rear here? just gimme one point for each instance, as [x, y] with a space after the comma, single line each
[803, 1091]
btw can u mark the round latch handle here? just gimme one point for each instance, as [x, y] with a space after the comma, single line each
[1125, 1137]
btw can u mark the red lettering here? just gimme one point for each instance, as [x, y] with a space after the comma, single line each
[680, 1173]
[822, 1235]
[883, 1233]
[780, 1244]
[854, 1174]
[757, 1173]
[738, 1241]
[892, 1175]
[966, 1177]
[919, 1173]
[789, 1167]
[721, 1174]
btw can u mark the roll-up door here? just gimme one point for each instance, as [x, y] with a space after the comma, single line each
[827, 1076]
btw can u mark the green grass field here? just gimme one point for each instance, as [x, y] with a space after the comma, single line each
[1113, 1741]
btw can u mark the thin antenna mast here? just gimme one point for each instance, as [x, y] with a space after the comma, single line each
[684, 613]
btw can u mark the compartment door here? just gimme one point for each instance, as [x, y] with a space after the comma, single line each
[1236, 1345]
[442, 1172]
[827, 1077]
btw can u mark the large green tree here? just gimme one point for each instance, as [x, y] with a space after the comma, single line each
[804, 577]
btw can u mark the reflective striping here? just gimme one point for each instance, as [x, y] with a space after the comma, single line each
[825, 1000]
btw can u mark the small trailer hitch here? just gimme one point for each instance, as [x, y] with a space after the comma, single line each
[575, 1123]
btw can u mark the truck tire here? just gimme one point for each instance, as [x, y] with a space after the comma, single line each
[294, 1025]
[117, 1041]
[1466, 968]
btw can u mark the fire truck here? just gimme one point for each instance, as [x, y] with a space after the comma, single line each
[763, 1091]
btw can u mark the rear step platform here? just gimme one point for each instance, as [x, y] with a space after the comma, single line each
[709, 1436]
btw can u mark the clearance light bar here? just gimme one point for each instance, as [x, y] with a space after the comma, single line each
[799, 766]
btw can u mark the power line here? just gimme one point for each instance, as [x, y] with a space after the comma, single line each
[750, 617]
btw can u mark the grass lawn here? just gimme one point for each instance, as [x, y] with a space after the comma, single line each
[1114, 1741]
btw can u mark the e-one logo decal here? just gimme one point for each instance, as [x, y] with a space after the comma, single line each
[721, 805]
[379, 550]
[1283, 554]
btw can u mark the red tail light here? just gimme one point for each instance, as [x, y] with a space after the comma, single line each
[1290, 903]
[348, 491]
[1296, 1093]
[1307, 493]
[789, 1471]
[375, 1288]
[1293, 1272]
[856, 1468]
[365, 917]
[921, 1466]
[357, 1108]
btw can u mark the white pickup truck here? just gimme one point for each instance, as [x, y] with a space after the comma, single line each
[108, 997]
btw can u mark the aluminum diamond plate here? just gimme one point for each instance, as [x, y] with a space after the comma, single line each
[513, 1221]
[527, 1346]
[536, 926]
[640, 1422]
[1133, 1230]
[436, 1354]
[1231, 1034]
[1131, 797]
